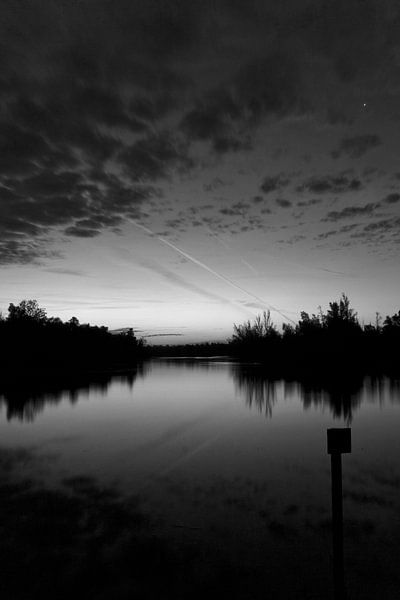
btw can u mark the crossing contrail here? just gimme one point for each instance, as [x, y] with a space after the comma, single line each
[202, 265]
[215, 235]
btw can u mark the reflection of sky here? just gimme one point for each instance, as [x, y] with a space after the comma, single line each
[213, 466]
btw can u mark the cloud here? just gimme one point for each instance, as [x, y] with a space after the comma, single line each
[215, 184]
[331, 184]
[391, 198]
[293, 240]
[326, 234]
[283, 203]
[350, 212]
[239, 209]
[21, 252]
[216, 119]
[101, 102]
[20, 150]
[155, 157]
[62, 271]
[273, 183]
[310, 202]
[356, 146]
[32, 207]
[334, 232]
[227, 115]
[82, 232]
[383, 225]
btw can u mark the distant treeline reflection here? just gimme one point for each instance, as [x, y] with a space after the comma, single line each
[341, 394]
[24, 398]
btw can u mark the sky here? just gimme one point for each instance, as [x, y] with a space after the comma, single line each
[179, 166]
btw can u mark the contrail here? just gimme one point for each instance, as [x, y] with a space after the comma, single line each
[249, 266]
[226, 246]
[209, 270]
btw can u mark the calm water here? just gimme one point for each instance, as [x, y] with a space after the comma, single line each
[226, 461]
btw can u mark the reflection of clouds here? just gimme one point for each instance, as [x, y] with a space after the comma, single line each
[25, 399]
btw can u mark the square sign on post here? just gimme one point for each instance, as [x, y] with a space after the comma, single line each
[339, 441]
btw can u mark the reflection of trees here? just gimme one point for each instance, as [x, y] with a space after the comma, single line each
[25, 398]
[258, 390]
[342, 395]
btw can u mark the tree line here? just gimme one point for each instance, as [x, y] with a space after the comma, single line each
[29, 339]
[334, 339]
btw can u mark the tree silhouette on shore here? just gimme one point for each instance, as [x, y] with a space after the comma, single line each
[334, 339]
[29, 339]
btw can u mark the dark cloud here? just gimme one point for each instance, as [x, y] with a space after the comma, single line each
[350, 212]
[68, 127]
[238, 209]
[24, 252]
[383, 226]
[380, 232]
[215, 184]
[152, 109]
[326, 234]
[334, 232]
[231, 212]
[21, 150]
[155, 157]
[102, 106]
[331, 184]
[391, 198]
[310, 202]
[293, 240]
[283, 203]
[263, 87]
[129, 88]
[32, 207]
[178, 224]
[215, 119]
[83, 232]
[356, 146]
[48, 184]
[62, 271]
[273, 183]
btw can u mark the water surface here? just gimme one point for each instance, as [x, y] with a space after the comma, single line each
[229, 465]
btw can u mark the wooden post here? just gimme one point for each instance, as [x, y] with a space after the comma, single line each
[339, 442]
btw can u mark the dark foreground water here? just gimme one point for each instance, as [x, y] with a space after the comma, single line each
[194, 479]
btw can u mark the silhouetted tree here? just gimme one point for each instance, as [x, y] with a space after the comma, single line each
[340, 315]
[31, 340]
[331, 340]
[392, 323]
[26, 310]
[261, 328]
